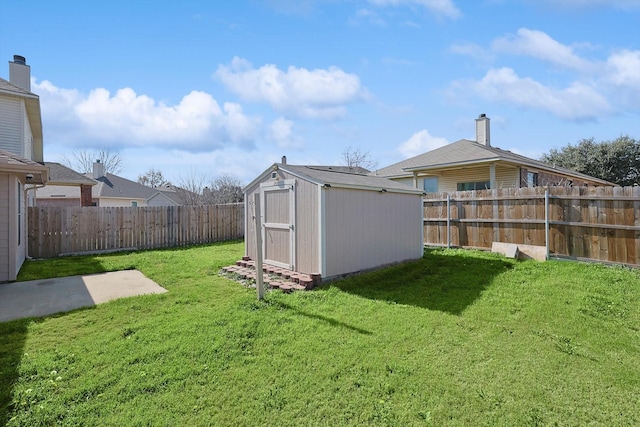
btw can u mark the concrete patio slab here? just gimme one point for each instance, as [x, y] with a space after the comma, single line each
[37, 298]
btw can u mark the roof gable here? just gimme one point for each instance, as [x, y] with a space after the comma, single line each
[111, 185]
[323, 176]
[464, 152]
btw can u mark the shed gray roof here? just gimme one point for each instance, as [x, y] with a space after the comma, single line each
[323, 176]
[62, 175]
[465, 152]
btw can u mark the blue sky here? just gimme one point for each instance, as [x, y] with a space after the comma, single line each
[211, 87]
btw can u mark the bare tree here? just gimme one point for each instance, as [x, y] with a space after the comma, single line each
[226, 188]
[153, 178]
[355, 158]
[190, 188]
[82, 160]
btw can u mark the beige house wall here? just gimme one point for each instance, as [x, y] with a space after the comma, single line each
[4, 227]
[12, 252]
[506, 177]
[119, 202]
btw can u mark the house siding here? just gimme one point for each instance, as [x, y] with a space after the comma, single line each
[27, 141]
[118, 202]
[506, 177]
[12, 119]
[367, 229]
[12, 254]
[4, 227]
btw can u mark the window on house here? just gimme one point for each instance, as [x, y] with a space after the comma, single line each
[134, 204]
[478, 185]
[532, 179]
[19, 213]
[431, 184]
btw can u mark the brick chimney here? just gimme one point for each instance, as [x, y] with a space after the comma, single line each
[98, 169]
[482, 130]
[20, 73]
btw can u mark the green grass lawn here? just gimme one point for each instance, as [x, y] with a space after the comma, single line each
[457, 338]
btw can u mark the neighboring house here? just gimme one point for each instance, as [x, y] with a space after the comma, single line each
[77, 188]
[476, 165]
[21, 167]
[169, 195]
[109, 190]
[68, 188]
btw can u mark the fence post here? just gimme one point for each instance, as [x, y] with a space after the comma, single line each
[448, 220]
[546, 220]
[258, 227]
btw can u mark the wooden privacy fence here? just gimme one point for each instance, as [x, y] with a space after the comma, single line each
[55, 231]
[597, 223]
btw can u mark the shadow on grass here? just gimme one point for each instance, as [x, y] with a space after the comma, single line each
[444, 281]
[330, 321]
[13, 336]
[60, 267]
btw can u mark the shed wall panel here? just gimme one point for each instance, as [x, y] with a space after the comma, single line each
[367, 229]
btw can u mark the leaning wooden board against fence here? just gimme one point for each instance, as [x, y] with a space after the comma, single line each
[57, 231]
[599, 223]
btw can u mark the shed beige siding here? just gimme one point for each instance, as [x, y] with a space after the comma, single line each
[367, 229]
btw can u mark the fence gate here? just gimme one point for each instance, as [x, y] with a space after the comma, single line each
[278, 207]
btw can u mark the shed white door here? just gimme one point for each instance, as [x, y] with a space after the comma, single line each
[278, 208]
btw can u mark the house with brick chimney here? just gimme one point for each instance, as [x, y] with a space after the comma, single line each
[21, 163]
[477, 165]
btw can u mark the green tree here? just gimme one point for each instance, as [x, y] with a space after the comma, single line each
[616, 161]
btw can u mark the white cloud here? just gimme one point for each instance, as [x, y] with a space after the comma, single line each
[281, 132]
[578, 101]
[421, 142]
[125, 118]
[624, 68]
[540, 45]
[440, 7]
[320, 93]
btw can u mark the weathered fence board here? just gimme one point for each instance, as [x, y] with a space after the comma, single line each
[55, 231]
[599, 223]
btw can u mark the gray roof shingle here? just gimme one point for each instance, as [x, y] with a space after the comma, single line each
[111, 185]
[322, 175]
[62, 175]
[465, 151]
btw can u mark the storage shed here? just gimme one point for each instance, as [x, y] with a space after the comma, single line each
[327, 221]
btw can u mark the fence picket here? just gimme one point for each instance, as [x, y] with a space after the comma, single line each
[55, 231]
[599, 223]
